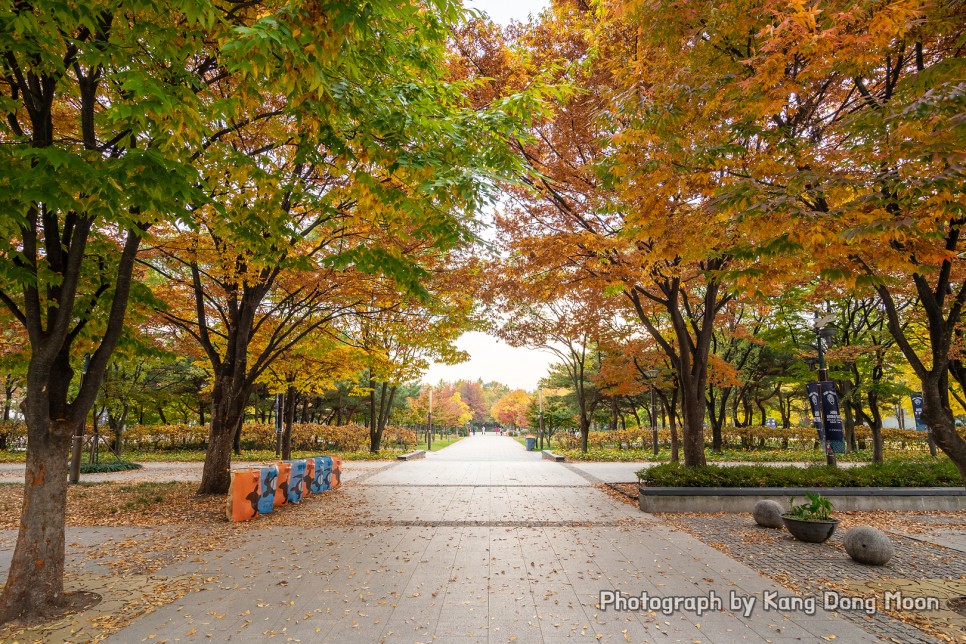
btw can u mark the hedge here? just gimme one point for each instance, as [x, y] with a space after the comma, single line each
[348, 438]
[923, 474]
[748, 437]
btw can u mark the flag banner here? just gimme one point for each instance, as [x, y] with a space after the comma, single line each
[813, 401]
[827, 416]
[917, 408]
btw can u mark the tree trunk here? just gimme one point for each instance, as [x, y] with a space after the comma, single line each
[386, 396]
[785, 405]
[236, 435]
[669, 405]
[718, 408]
[375, 436]
[845, 387]
[935, 387]
[692, 407]
[227, 413]
[876, 427]
[290, 402]
[35, 582]
[675, 442]
[939, 417]
[7, 399]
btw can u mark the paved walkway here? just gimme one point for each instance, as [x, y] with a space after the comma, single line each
[480, 542]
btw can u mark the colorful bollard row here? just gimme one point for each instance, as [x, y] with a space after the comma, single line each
[259, 490]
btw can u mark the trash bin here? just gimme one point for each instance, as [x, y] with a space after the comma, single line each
[531, 443]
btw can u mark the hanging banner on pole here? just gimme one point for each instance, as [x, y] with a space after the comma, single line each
[824, 401]
[813, 401]
[834, 428]
[917, 408]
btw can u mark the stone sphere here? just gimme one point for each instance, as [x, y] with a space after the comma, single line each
[768, 514]
[868, 545]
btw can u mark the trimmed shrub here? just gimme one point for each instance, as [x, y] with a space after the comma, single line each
[929, 474]
[108, 466]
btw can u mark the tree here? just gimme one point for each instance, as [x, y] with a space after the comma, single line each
[99, 111]
[512, 409]
[471, 392]
[404, 333]
[492, 392]
[845, 135]
[331, 189]
[316, 363]
[448, 408]
[568, 326]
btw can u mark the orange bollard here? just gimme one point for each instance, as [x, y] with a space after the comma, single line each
[281, 487]
[243, 495]
[309, 476]
[336, 472]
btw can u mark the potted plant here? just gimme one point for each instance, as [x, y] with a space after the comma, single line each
[812, 521]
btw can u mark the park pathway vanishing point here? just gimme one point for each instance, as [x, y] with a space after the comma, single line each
[480, 542]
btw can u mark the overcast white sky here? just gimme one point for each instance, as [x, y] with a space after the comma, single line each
[503, 11]
[491, 359]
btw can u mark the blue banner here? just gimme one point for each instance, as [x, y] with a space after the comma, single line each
[824, 401]
[813, 398]
[917, 407]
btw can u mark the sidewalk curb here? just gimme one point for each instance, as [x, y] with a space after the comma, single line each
[735, 499]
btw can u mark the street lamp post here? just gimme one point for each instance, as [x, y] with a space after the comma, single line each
[540, 419]
[651, 377]
[278, 424]
[824, 332]
[78, 438]
[429, 427]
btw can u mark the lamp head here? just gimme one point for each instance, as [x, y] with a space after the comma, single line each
[827, 332]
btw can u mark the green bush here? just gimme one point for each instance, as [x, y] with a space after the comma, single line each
[923, 474]
[108, 466]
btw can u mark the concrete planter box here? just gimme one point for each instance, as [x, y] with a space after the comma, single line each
[412, 456]
[743, 499]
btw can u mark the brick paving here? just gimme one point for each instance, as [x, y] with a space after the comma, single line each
[816, 568]
[480, 542]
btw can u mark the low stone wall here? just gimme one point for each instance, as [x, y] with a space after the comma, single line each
[743, 499]
[412, 456]
[550, 456]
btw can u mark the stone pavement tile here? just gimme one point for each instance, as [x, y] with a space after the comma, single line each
[558, 608]
[418, 606]
[611, 472]
[462, 619]
[582, 572]
[468, 568]
[679, 570]
[821, 626]
[783, 628]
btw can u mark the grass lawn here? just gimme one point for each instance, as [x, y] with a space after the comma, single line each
[440, 442]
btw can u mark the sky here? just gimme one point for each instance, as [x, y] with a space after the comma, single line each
[491, 359]
[502, 11]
